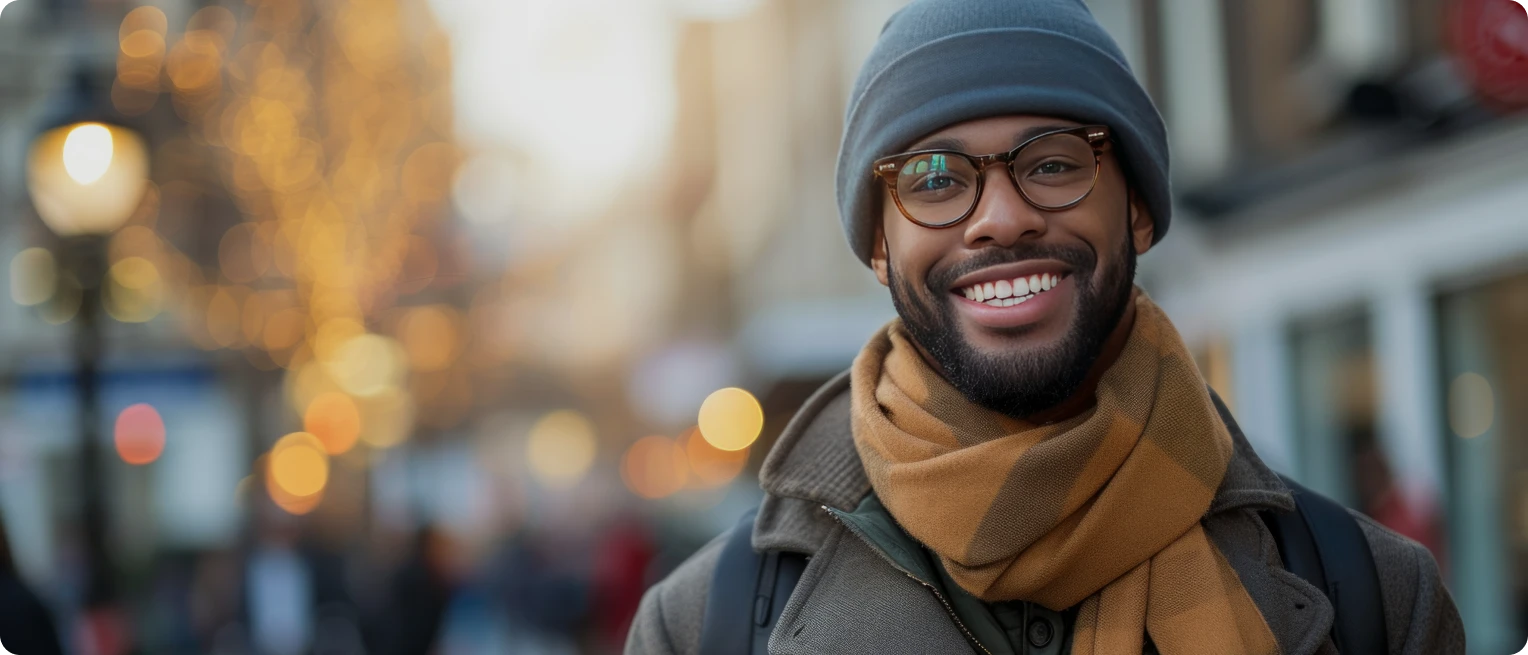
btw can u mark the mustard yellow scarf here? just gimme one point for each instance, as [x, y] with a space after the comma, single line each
[1102, 509]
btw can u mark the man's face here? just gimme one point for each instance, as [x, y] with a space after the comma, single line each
[1015, 357]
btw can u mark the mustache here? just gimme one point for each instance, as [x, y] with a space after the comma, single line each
[1081, 259]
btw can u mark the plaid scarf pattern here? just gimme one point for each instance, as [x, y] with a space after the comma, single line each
[1102, 509]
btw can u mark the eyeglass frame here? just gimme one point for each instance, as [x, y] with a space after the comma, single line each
[889, 167]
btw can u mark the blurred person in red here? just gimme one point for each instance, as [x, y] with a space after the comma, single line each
[1028, 460]
[620, 576]
[1381, 498]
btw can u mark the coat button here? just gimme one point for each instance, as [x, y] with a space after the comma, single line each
[1039, 633]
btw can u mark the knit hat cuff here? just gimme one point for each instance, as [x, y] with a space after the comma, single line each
[995, 72]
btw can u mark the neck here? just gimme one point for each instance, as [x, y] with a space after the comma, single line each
[1083, 398]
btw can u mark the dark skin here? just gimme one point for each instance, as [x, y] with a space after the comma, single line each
[1003, 219]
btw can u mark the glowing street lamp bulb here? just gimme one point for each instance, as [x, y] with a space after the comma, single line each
[87, 152]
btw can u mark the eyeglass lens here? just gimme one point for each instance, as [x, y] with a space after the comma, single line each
[1051, 172]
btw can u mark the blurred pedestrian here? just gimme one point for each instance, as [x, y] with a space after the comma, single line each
[1027, 460]
[26, 625]
[418, 594]
[620, 576]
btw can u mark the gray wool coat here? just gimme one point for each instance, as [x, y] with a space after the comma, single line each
[851, 600]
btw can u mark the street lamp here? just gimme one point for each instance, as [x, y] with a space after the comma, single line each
[87, 176]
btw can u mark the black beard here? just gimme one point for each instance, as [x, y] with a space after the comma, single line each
[1022, 382]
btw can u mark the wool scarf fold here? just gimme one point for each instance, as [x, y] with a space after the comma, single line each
[1101, 510]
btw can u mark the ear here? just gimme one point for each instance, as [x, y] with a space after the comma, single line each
[1142, 226]
[878, 259]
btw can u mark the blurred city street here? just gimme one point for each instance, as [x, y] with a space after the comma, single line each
[450, 326]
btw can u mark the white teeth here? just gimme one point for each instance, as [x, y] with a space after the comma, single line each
[1006, 293]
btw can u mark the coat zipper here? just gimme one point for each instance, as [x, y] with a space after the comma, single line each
[948, 609]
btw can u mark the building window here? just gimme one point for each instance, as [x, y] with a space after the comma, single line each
[1484, 385]
[1334, 395]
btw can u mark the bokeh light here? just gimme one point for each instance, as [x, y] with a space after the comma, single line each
[297, 505]
[34, 275]
[298, 465]
[1471, 405]
[224, 321]
[654, 467]
[366, 365]
[140, 60]
[147, 17]
[335, 420]
[387, 419]
[561, 448]
[731, 419]
[136, 241]
[64, 303]
[139, 434]
[431, 336]
[711, 467]
[284, 328]
[244, 253]
[135, 290]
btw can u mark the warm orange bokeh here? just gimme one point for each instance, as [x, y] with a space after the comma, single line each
[712, 467]
[297, 467]
[139, 434]
[655, 467]
[335, 420]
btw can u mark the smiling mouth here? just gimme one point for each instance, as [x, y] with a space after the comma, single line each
[1007, 293]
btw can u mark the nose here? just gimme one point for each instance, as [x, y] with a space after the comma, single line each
[1002, 217]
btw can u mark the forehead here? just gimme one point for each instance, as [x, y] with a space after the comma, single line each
[992, 134]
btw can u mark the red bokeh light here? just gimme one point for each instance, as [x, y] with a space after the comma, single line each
[139, 434]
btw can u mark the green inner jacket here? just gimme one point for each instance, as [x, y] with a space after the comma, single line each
[1004, 628]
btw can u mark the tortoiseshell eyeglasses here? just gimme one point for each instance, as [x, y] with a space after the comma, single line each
[940, 188]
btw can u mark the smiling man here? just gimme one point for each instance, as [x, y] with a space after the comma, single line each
[1027, 460]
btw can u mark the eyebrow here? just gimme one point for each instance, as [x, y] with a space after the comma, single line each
[952, 143]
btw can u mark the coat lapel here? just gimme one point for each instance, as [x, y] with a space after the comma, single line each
[850, 600]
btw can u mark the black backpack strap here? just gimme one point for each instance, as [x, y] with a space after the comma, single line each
[1323, 544]
[748, 593]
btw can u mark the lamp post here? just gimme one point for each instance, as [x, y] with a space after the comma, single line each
[86, 177]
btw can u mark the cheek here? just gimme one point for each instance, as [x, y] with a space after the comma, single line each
[910, 254]
[913, 249]
[1103, 220]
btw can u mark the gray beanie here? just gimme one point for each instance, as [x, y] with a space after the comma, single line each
[942, 62]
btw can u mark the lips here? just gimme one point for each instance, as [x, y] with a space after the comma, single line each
[1016, 294]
